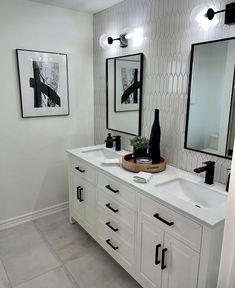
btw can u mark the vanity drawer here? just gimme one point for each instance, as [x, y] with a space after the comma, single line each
[113, 244]
[80, 168]
[116, 228]
[116, 209]
[118, 190]
[176, 224]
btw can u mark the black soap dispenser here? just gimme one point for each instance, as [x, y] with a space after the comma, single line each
[154, 141]
[109, 141]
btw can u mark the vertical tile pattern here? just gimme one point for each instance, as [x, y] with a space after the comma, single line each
[169, 32]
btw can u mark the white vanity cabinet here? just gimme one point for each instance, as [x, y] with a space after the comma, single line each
[149, 246]
[116, 219]
[182, 264]
[160, 246]
[82, 193]
[163, 257]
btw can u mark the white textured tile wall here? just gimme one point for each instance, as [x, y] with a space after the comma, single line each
[169, 32]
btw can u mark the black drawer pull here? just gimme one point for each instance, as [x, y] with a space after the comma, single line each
[81, 200]
[163, 220]
[78, 192]
[111, 208]
[114, 229]
[111, 189]
[156, 254]
[80, 170]
[110, 244]
[163, 265]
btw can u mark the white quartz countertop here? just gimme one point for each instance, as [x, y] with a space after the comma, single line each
[209, 216]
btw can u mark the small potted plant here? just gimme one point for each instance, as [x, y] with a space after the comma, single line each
[140, 146]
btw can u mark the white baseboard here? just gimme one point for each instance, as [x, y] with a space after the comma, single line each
[32, 216]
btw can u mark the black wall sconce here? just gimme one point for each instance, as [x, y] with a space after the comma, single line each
[127, 36]
[229, 14]
[122, 38]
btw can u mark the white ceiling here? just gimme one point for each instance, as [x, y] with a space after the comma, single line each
[90, 6]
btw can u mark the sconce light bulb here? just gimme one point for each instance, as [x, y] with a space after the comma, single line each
[128, 32]
[129, 35]
[138, 37]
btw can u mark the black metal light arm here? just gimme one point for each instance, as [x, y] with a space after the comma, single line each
[229, 16]
[122, 39]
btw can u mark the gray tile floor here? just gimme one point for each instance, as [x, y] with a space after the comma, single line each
[52, 253]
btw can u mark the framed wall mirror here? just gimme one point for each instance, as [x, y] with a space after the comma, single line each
[124, 81]
[210, 125]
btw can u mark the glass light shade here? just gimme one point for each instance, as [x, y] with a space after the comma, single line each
[128, 32]
[198, 17]
[136, 35]
[104, 41]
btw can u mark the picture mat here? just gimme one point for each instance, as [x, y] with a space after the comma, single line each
[128, 64]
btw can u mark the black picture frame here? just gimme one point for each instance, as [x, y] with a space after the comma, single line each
[140, 95]
[34, 85]
[189, 97]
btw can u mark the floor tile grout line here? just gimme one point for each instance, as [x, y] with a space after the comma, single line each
[39, 275]
[8, 278]
[49, 270]
[63, 264]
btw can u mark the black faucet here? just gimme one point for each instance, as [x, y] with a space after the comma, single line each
[117, 141]
[109, 142]
[228, 181]
[209, 169]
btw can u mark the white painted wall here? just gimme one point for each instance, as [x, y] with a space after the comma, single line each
[227, 264]
[32, 151]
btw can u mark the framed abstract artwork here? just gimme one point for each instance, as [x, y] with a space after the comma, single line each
[43, 80]
[127, 84]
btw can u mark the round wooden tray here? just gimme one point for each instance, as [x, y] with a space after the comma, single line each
[129, 164]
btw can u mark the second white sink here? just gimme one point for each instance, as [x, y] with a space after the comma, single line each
[196, 194]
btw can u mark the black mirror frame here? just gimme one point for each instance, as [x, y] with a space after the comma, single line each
[141, 93]
[189, 98]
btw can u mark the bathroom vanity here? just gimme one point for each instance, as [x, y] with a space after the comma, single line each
[166, 234]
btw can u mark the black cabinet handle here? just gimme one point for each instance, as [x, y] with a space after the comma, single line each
[110, 244]
[156, 254]
[111, 189]
[81, 200]
[163, 220]
[80, 170]
[111, 208]
[114, 229]
[163, 265]
[78, 192]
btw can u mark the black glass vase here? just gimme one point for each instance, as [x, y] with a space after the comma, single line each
[154, 141]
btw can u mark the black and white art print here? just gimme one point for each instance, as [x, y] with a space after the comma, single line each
[127, 85]
[43, 78]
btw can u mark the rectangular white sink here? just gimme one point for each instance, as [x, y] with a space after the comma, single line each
[101, 154]
[194, 193]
